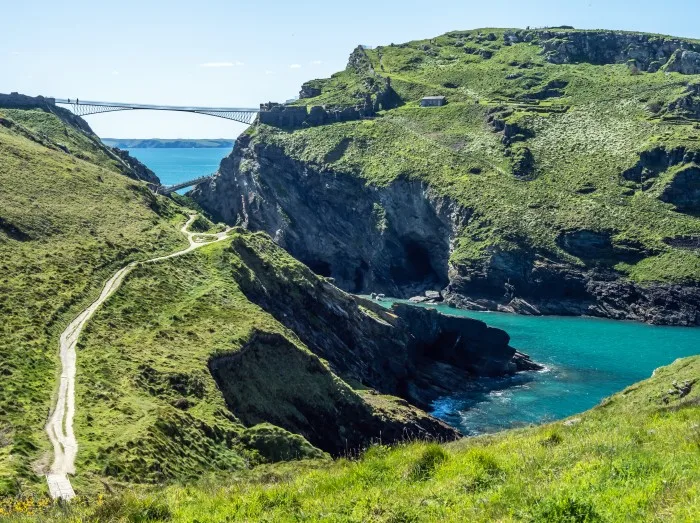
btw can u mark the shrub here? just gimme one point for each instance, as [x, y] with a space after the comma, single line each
[429, 460]
[566, 509]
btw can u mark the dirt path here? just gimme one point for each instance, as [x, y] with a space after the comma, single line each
[60, 424]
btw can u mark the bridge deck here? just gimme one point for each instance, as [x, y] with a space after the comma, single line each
[168, 189]
[244, 115]
[73, 101]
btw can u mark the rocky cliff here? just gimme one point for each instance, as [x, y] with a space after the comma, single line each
[532, 191]
[644, 51]
[398, 240]
[392, 351]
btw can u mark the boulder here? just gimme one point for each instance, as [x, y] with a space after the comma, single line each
[684, 189]
[684, 62]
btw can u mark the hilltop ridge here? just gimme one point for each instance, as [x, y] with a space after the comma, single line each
[561, 177]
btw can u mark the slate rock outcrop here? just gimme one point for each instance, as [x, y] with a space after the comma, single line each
[647, 52]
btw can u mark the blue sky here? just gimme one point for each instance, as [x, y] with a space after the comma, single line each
[233, 53]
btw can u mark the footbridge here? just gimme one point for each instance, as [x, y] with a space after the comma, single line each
[168, 189]
[244, 115]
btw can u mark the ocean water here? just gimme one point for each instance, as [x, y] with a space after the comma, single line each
[174, 165]
[586, 360]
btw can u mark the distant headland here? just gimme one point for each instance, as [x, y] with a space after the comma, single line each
[157, 143]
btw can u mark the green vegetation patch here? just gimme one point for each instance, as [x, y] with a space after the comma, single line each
[635, 457]
[533, 149]
[66, 225]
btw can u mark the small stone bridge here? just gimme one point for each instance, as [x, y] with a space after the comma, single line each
[169, 189]
[244, 115]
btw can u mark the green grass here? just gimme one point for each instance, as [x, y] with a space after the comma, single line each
[149, 409]
[66, 225]
[581, 143]
[635, 457]
[179, 313]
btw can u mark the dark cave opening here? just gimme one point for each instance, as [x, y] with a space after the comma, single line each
[359, 278]
[320, 267]
[415, 267]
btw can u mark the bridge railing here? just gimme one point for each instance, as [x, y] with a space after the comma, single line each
[244, 115]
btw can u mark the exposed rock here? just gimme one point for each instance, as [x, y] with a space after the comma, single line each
[689, 242]
[286, 116]
[269, 380]
[553, 89]
[469, 345]
[571, 422]
[653, 162]
[136, 168]
[683, 190]
[308, 90]
[327, 220]
[645, 51]
[376, 94]
[679, 390]
[688, 104]
[684, 62]
[365, 343]
[598, 246]
[523, 161]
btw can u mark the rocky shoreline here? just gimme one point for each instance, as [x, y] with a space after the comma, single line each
[393, 363]
[397, 240]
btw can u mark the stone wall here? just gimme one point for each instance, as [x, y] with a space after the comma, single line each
[294, 116]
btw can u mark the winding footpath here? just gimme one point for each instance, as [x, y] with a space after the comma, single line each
[60, 424]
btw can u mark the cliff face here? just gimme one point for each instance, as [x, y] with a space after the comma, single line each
[645, 51]
[394, 240]
[398, 239]
[532, 190]
[392, 351]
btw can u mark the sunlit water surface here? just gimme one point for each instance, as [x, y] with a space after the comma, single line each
[586, 360]
[175, 165]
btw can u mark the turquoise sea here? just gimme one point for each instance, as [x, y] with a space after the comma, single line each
[174, 165]
[586, 360]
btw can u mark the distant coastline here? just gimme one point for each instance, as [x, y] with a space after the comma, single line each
[158, 143]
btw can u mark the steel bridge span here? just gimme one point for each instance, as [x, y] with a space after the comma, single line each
[169, 189]
[244, 115]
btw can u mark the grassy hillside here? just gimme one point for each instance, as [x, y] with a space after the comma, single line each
[180, 373]
[635, 457]
[137, 403]
[67, 221]
[537, 149]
